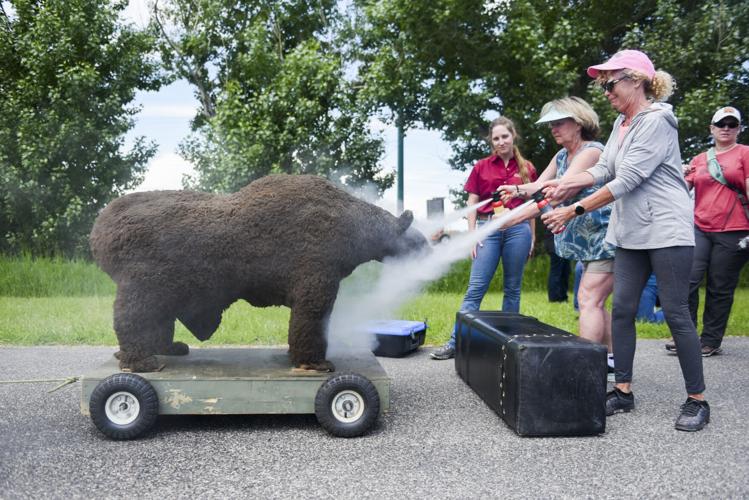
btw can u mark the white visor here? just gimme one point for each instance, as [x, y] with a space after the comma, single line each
[553, 115]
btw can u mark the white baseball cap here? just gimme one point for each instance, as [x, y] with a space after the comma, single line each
[553, 115]
[727, 111]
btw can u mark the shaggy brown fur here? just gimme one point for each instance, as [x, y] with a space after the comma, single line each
[282, 240]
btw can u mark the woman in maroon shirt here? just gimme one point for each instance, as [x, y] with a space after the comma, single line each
[512, 245]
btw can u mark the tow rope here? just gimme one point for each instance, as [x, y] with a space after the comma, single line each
[65, 381]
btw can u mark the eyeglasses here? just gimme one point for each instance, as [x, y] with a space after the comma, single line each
[609, 86]
[557, 123]
[726, 124]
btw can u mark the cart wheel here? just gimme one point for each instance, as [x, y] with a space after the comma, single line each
[124, 406]
[347, 405]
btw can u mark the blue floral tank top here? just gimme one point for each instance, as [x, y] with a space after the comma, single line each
[584, 237]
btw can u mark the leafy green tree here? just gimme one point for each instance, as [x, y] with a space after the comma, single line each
[703, 44]
[467, 59]
[419, 61]
[68, 70]
[273, 90]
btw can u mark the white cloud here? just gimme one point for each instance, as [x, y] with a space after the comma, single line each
[137, 12]
[165, 171]
[167, 111]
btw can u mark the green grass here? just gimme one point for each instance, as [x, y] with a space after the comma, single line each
[88, 320]
[25, 276]
[56, 301]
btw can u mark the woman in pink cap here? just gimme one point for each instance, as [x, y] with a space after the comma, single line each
[651, 223]
[720, 178]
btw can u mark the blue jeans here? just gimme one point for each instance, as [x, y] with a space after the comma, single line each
[512, 246]
[646, 311]
[559, 278]
[578, 276]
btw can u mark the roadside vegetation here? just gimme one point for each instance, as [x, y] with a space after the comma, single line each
[69, 302]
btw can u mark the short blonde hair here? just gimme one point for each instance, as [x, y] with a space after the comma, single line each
[660, 88]
[580, 111]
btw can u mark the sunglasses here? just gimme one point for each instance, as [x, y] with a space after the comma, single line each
[609, 86]
[726, 124]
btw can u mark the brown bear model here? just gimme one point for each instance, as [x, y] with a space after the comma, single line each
[282, 240]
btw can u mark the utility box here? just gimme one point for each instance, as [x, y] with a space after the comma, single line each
[435, 208]
[541, 380]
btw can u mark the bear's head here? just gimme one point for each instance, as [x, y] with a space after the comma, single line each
[409, 239]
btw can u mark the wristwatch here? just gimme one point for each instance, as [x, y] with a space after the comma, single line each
[579, 209]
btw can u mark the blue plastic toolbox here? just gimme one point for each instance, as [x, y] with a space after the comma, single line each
[396, 338]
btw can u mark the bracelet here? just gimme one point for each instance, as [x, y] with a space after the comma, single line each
[517, 188]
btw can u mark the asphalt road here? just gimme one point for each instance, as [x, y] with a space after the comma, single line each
[438, 440]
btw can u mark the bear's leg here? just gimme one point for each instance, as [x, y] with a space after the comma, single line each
[307, 343]
[143, 326]
[168, 347]
[175, 349]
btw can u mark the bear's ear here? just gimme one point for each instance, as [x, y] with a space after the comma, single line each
[405, 220]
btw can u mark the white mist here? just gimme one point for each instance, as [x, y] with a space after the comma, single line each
[376, 294]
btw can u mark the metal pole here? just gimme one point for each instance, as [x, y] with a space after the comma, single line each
[400, 168]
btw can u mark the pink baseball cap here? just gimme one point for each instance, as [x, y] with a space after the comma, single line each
[625, 59]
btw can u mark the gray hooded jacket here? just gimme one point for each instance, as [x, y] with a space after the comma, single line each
[652, 207]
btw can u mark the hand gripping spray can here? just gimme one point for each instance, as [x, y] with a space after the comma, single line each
[497, 204]
[543, 206]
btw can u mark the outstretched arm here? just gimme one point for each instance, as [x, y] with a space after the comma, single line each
[559, 217]
[510, 191]
[567, 187]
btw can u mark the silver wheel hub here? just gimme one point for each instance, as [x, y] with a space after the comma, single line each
[122, 408]
[347, 406]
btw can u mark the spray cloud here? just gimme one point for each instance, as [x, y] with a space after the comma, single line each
[370, 295]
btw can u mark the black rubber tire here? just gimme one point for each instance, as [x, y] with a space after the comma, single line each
[349, 391]
[129, 388]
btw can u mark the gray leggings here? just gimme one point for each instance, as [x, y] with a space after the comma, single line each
[671, 267]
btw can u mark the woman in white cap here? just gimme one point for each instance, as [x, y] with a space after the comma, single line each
[651, 222]
[574, 126]
[720, 178]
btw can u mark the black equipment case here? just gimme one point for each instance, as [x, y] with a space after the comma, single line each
[541, 380]
[396, 338]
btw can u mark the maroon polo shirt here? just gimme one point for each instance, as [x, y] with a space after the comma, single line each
[490, 173]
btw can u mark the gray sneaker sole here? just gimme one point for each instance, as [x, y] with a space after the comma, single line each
[619, 410]
[704, 355]
[692, 429]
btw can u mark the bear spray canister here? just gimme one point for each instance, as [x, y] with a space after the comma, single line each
[497, 205]
[543, 206]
